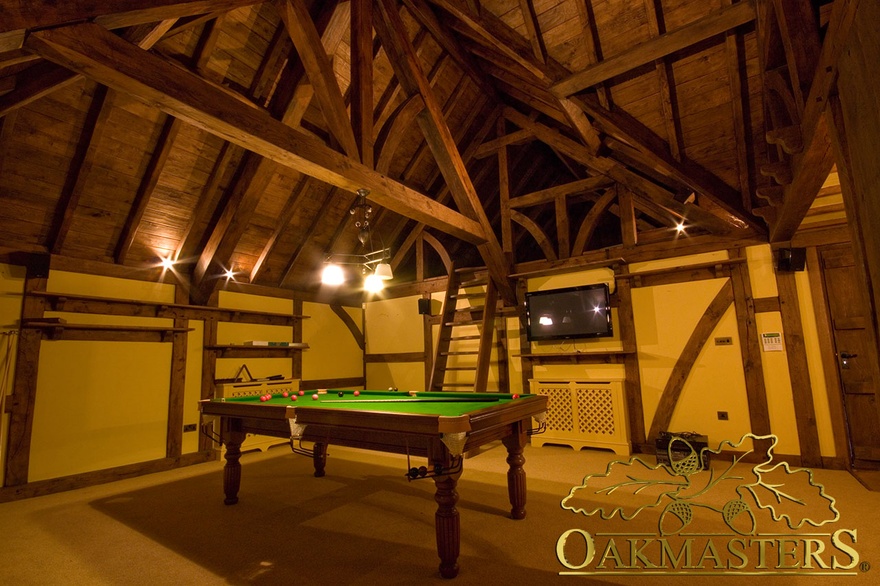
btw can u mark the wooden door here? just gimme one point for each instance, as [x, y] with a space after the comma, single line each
[855, 350]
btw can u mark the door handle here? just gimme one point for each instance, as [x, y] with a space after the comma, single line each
[845, 358]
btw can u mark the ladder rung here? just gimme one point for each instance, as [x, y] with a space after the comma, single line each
[470, 322]
[463, 353]
[460, 368]
[459, 338]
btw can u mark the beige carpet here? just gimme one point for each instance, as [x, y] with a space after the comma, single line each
[363, 523]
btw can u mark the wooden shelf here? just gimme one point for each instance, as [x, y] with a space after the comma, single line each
[247, 351]
[609, 356]
[105, 305]
[101, 332]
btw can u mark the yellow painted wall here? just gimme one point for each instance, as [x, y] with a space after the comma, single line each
[11, 289]
[333, 352]
[85, 418]
[100, 404]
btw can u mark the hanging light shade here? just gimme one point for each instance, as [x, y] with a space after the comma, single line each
[332, 275]
[383, 271]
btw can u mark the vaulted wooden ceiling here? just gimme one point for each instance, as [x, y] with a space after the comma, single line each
[512, 134]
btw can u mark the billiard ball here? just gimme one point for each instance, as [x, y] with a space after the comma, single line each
[293, 397]
[315, 397]
[357, 393]
[301, 393]
[263, 399]
[515, 396]
[341, 393]
[284, 394]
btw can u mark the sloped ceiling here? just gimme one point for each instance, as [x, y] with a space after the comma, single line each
[510, 134]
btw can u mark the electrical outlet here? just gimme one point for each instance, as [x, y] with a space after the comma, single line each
[722, 416]
[725, 341]
[189, 427]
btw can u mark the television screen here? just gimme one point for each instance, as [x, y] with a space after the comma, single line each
[575, 312]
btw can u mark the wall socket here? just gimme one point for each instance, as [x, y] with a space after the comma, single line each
[725, 341]
[189, 427]
[722, 416]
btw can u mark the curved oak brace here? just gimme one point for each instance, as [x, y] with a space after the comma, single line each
[536, 232]
[588, 226]
[688, 357]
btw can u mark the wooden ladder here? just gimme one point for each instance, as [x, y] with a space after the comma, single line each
[469, 332]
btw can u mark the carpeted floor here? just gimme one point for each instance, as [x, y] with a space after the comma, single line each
[364, 523]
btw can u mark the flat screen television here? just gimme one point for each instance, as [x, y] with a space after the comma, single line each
[573, 312]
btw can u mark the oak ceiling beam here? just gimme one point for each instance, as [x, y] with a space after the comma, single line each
[440, 140]
[32, 14]
[718, 23]
[308, 44]
[810, 167]
[551, 193]
[100, 55]
[608, 167]
[362, 78]
[661, 158]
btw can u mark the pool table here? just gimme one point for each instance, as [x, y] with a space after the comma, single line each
[441, 427]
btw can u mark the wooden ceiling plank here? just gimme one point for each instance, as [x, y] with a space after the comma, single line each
[91, 50]
[33, 14]
[93, 126]
[148, 184]
[591, 43]
[284, 218]
[43, 78]
[441, 141]
[739, 106]
[307, 238]
[423, 14]
[799, 32]
[718, 23]
[311, 51]
[37, 81]
[533, 30]
[654, 11]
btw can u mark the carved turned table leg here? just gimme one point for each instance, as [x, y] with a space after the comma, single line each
[516, 474]
[232, 469]
[447, 524]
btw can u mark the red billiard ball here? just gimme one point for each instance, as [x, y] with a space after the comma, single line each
[263, 399]
[357, 393]
[515, 396]
[301, 393]
[315, 397]
[293, 397]
[284, 394]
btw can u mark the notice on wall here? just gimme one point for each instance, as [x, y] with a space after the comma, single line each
[771, 341]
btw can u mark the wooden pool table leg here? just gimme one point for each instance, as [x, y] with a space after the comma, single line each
[319, 457]
[232, 469]
[447, 524]
[516, 474]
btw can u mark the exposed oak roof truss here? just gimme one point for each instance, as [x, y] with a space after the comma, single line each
[513, 134]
